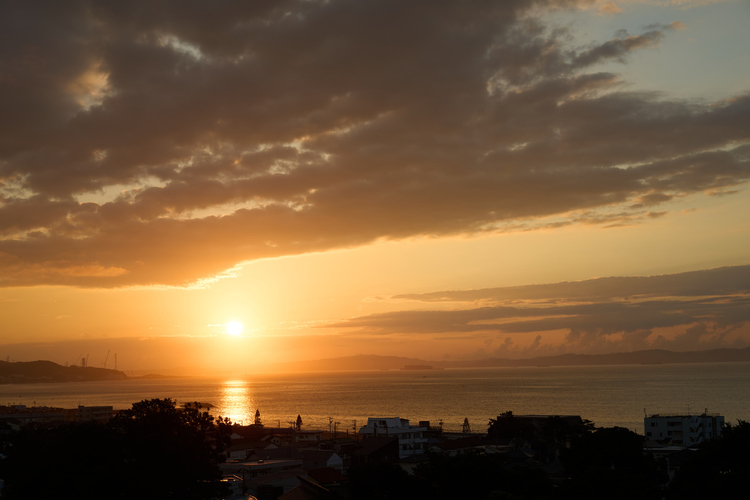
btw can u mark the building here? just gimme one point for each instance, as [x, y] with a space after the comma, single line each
[411, 438]
[96, 413]
[20, 415]
[309, 437]
[683, 430]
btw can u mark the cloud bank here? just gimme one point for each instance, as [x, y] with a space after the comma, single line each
[165, 142]
[687, 311]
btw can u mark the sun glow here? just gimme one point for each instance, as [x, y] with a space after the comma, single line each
[234, 328]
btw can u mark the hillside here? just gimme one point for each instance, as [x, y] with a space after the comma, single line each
[653, 356]
[47, 371]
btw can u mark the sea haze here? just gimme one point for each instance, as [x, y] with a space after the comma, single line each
[608, 395]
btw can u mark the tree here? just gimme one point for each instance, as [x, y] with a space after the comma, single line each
[170, 452]
[610, 463]
[476, 475]
[719, 469]
[153, 450]
[506, 426]
[383, 481]
[82, 458]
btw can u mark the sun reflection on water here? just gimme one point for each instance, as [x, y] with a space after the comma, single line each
[237, 402]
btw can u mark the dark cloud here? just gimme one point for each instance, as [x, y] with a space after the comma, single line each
[729, 281]
[702, 308]
[243, 130]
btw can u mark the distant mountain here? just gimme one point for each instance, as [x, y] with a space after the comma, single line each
[648, 357]
[47, 371]
[348, 363]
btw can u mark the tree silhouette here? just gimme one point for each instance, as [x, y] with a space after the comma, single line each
[152, 451]
[171, 452]
[719, 469]
[610, 463]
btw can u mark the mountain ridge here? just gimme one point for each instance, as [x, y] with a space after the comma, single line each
[26, 372]
[363, 362]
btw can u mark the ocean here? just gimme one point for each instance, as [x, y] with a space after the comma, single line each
[608, 395]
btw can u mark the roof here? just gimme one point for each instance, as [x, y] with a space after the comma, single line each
[326, 475]
[297, 493]
[247, 444]
[372, 444]
[317, 458]
[457, 444]
[285, 452]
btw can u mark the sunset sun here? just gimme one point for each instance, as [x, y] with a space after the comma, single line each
[234, 328]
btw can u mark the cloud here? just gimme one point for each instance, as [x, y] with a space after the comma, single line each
[241, 130]
[700, 309]
[609, 9]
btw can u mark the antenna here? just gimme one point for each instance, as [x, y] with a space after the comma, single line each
[115, 361]
[105, 360]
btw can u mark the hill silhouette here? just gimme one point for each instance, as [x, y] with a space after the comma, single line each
[25, 372]
[646, 357]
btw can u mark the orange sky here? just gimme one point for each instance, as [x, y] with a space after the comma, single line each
[346, 178]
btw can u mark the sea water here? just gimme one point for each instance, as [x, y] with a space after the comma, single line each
[608, 395]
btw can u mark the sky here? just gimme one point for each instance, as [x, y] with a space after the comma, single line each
[430, 179]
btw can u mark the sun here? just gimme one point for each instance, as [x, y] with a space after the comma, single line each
[234, 328]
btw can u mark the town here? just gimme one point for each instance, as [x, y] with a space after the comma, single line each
[514, 457]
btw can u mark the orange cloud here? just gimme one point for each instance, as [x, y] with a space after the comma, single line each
[700, 310]
[250, 133]
[609, 9]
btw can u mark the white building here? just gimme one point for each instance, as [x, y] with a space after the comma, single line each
[411, 440]
[683, 430]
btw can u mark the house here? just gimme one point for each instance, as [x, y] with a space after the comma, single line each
[253, 469]
[376, 449]
[241, 449]
[411, 438]
[683, 430]
[318, 459]
[453, 447]
[19, 415]
[95, 413]
[309, 437]
[319, 484]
